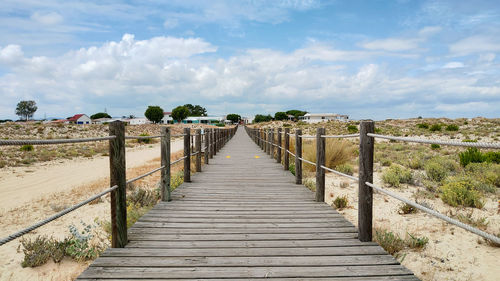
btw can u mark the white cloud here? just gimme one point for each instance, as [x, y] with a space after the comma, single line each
[475, 44]
[402, 44]
[11, 54]
[454, 64]
[170, 23]
[50, 18]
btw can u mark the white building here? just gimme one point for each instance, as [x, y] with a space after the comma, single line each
[139, 121]
[322, 117]
[248, 120]
[167, 118]
[80, 119]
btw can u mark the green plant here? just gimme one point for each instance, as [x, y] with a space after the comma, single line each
[176, 180]
[407, 209]
[346, 169]
[461, 193]
[143, 197]
[435, 146]
[481, 223]
[291, 168]
[417, 242]
[352, 129]
[220, 125]
[385, 162]
[146, 140]
[39, 250]
[438, 168]
[492, 157]
[452, 127]
[391, 242]
[471, 155]
[310, 183]
[435, 127]
[27, 147]
[396, 174]
[423, 126]
[341, 202]
[468, 140]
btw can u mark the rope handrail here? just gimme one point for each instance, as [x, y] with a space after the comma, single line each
[307, 161]
[307, 137]
[53, 217]
[339, 173]
[340, 136]
[145, 175]
[142, 137]
[452, 143]
[437, 214]
[194, 153]
[177, 135]
[290, 153]
[54, 141]
[178, 160]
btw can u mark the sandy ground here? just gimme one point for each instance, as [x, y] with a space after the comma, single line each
[19, 185]
[60, 182]
[451, 254]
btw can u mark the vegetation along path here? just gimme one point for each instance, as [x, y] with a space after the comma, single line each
[243, 217]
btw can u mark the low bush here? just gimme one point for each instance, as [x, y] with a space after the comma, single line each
[435, 146]
[391, 242]
[146, 141]
[346, 169]
[291, 168]
[337, 152]
[423, 126]
[452, 127]
[486, 173]
[352, 129]
[417, 242]
[310, 183]
[416, 162]
[396, 175]
[407, 209]
[481, 223]
[438, 168]
[39, 250]
[435, 128]
[461, 193]
[27, 147]
[341, 202]
[471, 155]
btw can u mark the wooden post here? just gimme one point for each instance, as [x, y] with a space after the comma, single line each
[118, 176]
[165, 161]
[286, 160]
[214, 141]
[198, 150]
[320, 161]
[365, 193]
[298, 154]
[271, 137]
[187, 154]
[278, 142]
[261, 135]
[206, 154]
[265, 138]
[269, 142]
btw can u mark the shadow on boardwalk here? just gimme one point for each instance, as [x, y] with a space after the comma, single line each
[243, 217]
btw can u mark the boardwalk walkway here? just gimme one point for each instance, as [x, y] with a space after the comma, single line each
[244, 218]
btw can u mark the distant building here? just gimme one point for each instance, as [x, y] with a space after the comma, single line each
[322, 117]
[138, 121]
[101, 120]
[167, 118]
[80, 119]
[204, 119]
[247, 120]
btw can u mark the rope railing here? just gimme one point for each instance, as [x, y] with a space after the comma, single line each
[142, 137]
[54, 141]
[307, 137]
[56, 216]
[427, 141]
[145, 175]
[178, 160]
[437, 214]
[339, 173]
[307, 161]
[291, 153]
[340, 136]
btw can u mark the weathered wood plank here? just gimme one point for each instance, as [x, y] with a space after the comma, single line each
[237, 237]
[248, 244]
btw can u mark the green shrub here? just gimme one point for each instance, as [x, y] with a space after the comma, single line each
[423, 126]
[407, 209]
[461, 193]
[435, 127]
[391, 242]
[486, 173]
[417, 242]
[148, 140]
[438, 168]
[492, 157]
[341, 202]
[143, 197]
[468, 140]
[286, 125]
[220, 124]
[435, 146]
[385, 162]
[291, 168]
[471, 155]
[310, 183]
[416, 162]
[27, 147]
[452, 127]
[352, 129]
[396, 174]
[39, 250]
[346, 169]
[481, 223]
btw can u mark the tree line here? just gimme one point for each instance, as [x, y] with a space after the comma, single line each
[280, 115]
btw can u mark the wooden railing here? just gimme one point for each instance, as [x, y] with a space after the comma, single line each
[267, 142]
[213, 139]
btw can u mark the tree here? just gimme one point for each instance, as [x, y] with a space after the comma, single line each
[180, 113]
[100, 115]
[235, 118]
[262, 118]
[154, 114]
[196, 110]
[26, 108]
[296, 113]
[280, 116]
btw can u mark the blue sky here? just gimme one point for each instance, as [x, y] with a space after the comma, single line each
[367, 59]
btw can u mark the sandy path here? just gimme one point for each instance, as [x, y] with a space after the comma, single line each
[19, 185]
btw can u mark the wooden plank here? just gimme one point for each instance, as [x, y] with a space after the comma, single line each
[203, 231]
[238, 272]
[241, 225]
[245, 261]
[248, 244]
[237, 237]
[359, 278]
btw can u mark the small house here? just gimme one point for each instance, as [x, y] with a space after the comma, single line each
[167, 118]
[80, 119]
[139, 121]
[322, 117]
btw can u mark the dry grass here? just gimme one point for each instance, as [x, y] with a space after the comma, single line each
[338, 152]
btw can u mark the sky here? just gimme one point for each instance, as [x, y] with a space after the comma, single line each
[368, 59]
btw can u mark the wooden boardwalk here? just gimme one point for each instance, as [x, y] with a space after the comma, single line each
[244, 218]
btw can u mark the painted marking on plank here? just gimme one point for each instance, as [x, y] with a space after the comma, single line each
[228, 156]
